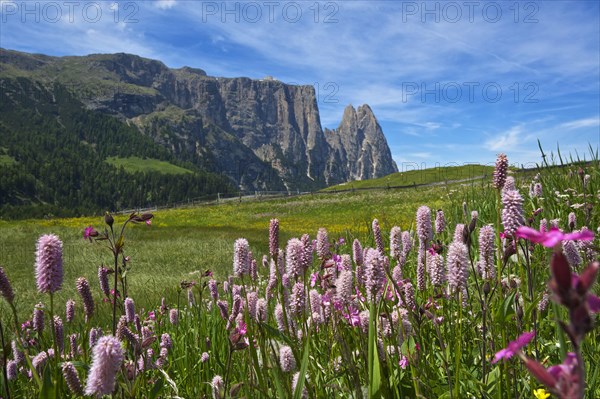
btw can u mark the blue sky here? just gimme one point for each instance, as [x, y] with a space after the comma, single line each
[449, 81]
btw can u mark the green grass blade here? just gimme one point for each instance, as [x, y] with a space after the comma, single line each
[303, 367]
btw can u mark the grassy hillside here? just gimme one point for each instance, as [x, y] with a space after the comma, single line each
[137, 164]
[420, 176]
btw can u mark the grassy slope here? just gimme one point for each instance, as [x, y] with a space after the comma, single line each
[136, 164]
[181, 241]
[421, 176]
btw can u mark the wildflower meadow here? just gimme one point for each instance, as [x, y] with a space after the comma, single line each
[491, 297]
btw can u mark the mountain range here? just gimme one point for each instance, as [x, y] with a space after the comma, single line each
[238, 133]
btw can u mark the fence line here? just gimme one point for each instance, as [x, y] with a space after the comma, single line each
[222, 198]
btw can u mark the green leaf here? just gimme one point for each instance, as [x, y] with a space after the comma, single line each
[48, 388]
[303, 367]
[158, 386]
[373, 357]
[275, 333]
[507, 309]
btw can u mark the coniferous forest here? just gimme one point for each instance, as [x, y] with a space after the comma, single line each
[55, 152]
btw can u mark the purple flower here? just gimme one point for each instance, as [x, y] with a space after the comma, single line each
[297, 299]
[307, 257]
[543, 225]
[72, 379]
[344, 286]
[218, 387]
[252, 301]
[457, 262]
[352, 316]
[403, 362]
[40, 360]
[83, 287]
[440, 222]
[437, 269]
[49, 264]
[486, 253]
[241, 260]
[95, 334]
[421, 283]
[396, 243]
[514, 347]
[279, 319]
[322, 244]
[89, 233]
[537, 190]
[500, 171]
[512, 211]
[70, 310]
[274, 238]
[174, 316]
[204, 357]
[287, 360]
[409, 296]
[103, 280]
[106, 361]
[374, 274]
[377, 236]
[554, 236]
[424, 229]
[406, 243]
[357, 252]
[5, 288]
[261, 310]
[11, 370]
[59, 333]
[572, 253]
[38, 318]
[293, 259]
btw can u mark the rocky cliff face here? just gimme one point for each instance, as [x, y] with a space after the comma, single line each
[263, 134]
[359, 148]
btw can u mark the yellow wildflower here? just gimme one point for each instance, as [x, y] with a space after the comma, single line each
[541, 394]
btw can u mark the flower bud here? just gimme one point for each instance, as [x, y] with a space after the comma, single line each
[108, 219]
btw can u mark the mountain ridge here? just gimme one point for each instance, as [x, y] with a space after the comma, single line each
[260, 134]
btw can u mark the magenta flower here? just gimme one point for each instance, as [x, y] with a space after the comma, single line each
[514, 347]
[553, 236]
[89, 233]
[403, 362]
[106, 362]
[49, 264]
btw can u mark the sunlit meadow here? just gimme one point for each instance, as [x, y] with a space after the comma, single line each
[477, 290]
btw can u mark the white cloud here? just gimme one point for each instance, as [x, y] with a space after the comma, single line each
[506, 141]
[581, 123]
[165, 4]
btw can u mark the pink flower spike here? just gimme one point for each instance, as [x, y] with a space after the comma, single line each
[514, 347]
[552, 237]
[149, 222]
